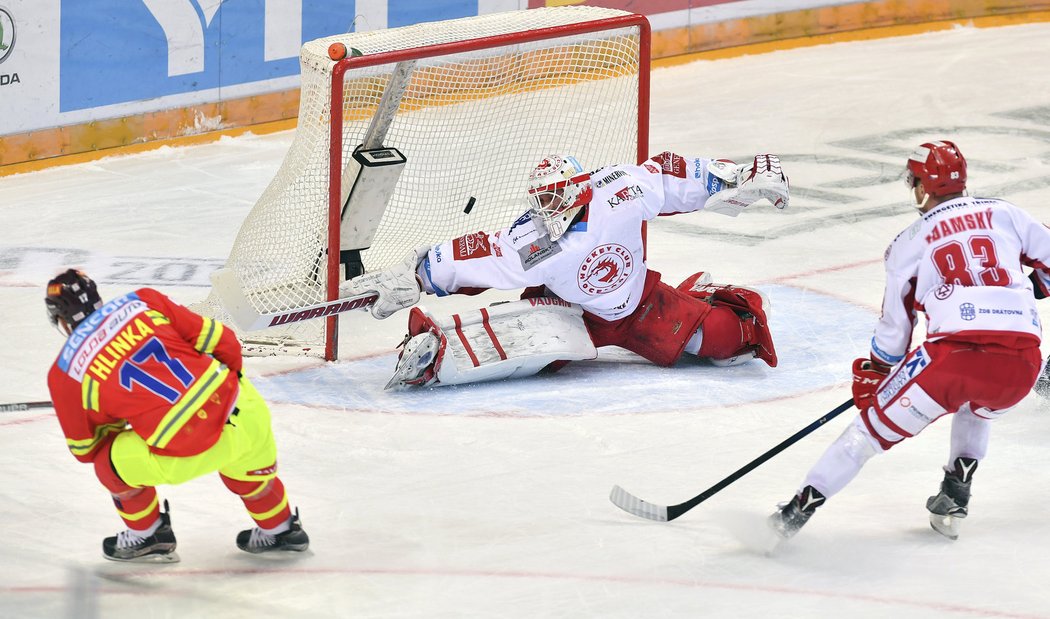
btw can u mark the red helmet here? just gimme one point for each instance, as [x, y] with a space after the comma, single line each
[940, 166]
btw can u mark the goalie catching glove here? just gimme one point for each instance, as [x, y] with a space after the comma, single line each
[398, 287]
[747, 184]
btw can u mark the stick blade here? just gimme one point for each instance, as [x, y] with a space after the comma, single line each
[227, 288]
[633, 505]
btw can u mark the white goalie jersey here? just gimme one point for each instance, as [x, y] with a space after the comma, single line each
[600, 263]
[961, 264]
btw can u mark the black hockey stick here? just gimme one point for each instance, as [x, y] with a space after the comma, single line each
[17, 407]
[661, 513]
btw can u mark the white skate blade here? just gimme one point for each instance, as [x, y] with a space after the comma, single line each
[947, 526]
[171, 557]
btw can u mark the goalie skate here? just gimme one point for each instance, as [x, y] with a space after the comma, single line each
[415, 366]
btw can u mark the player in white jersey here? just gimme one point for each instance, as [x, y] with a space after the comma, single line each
[961, 264]
[579, 253]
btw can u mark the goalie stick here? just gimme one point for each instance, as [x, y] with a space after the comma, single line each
[247, 318]
[665, 513]
[18, 407]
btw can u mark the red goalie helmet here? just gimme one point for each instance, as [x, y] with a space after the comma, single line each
[940, 166]
[71, 297]
[558, 190]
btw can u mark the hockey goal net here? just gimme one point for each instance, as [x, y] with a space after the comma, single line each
[472, 104]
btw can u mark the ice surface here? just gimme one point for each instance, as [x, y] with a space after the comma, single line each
[491, 500]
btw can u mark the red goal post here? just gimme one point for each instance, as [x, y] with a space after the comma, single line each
[465, 108]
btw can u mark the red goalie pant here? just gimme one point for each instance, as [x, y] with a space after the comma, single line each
[658, 329]
[941, 377]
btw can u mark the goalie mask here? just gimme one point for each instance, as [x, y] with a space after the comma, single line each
[939, 166]
[71, 297]
[558, 191]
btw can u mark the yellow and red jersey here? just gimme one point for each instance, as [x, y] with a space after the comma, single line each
[144, 361]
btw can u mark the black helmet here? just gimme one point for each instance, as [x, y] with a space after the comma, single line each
[71, 297]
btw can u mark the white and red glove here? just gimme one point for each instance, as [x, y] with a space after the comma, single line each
[867, 375]
[762, 178]
[398, 287]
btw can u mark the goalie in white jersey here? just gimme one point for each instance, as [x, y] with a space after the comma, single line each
[579, 253]
[961, 264]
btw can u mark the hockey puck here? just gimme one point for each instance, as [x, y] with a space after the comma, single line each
[470, 205]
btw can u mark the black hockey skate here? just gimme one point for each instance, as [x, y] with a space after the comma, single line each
[130, 546]
[951, 504]
[791, 516]
[257, 541]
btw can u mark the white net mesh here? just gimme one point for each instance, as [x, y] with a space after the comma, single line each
[470, 123]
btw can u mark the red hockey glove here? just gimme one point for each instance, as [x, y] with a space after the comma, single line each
[866, 378]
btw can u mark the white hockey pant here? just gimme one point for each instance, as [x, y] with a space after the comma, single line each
[843, 459]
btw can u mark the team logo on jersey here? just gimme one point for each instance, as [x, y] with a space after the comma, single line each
[605, 269]
[944, 291]
[967, 311]
[470, 246]
[7, 34]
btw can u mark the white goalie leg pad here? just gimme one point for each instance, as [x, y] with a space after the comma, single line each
[508, 340]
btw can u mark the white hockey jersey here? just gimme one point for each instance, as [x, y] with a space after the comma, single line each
[600, 262]
[960, 264]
